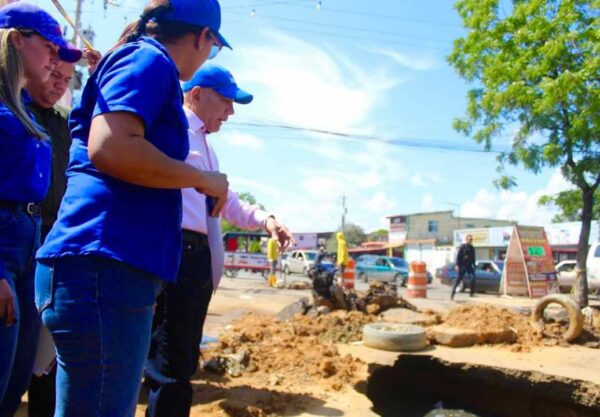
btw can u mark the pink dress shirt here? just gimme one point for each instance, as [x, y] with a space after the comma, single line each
[236, 212]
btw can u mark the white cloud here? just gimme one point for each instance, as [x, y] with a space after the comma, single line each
[515, 205]
[427, 203]
[303, 84]
[414, 62]
[421, 179]
[378, 203]
[244, 140]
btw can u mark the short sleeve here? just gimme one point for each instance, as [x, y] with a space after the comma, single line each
[137, 80]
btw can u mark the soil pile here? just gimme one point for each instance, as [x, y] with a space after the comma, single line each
[489, 320]
[500, 325]
[300, 351]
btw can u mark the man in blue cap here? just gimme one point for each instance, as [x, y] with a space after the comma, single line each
[182, 306]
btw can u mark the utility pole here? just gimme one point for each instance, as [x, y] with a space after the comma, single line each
[344, 212]
[77, 21]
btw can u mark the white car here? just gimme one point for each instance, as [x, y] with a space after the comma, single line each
[299, 261]
[565, 271]
[593, 268]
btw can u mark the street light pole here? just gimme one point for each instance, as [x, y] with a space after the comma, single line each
[457, 210]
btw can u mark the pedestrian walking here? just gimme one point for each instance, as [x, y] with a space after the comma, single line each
[343, 259]
[465, 264]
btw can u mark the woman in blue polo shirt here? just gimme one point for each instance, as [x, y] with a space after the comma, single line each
[30, 47]
[118, 233]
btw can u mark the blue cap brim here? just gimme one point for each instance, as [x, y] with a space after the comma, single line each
[66, 51]
[234, 93]
[223, 41]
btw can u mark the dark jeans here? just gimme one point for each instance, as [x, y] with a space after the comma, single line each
[99, 312]
[41, 395]
[461, 275]
[176, 334]
[42, 389]
[19, 239]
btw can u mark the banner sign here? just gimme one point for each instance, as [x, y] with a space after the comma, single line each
[529, 265]
[241, 260]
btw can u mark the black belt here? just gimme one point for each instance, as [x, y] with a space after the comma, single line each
[33, 209]
[194, 238]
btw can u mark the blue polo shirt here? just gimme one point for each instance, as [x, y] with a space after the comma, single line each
[25, 160]
[101, 215]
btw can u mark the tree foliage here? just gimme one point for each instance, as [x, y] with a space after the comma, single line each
[570, 204]
[535, 71]
[355, 235]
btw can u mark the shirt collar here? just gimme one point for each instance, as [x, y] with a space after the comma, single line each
[196, 125]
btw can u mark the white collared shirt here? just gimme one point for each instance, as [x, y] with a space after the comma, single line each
[203, 157]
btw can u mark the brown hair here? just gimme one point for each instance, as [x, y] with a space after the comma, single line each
[150, 24]
[12, 76]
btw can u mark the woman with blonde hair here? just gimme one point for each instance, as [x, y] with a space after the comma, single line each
[31, 45]
[118, 235]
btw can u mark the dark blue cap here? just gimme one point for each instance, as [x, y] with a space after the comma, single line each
[21, 15]
[220, 80]
[203, 13]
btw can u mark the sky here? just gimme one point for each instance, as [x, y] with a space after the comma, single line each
[376, 71]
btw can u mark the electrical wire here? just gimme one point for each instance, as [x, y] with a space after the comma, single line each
[345, 37]
[415, 143]
[350, 28]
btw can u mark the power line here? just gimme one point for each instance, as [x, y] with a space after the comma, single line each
[346, 37]
[271, 3]
[417, 143]
[351, 28]
[379, 15]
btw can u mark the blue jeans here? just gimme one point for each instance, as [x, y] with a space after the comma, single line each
[99, 312]
[19, 239]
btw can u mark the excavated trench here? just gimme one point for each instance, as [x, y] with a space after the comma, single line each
[426, 386]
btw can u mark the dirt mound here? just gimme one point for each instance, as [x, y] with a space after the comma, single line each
[300, 351]
[487, 319]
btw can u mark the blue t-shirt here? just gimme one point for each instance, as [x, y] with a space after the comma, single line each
[25, 160]
[101, 215]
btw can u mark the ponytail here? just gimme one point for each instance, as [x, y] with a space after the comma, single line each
[150, 24]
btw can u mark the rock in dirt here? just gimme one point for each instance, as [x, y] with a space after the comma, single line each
[297, 308]
[312, 313]
[404, 316]
[323, 310]
[453, 337]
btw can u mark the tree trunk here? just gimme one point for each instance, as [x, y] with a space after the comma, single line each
[581, 283]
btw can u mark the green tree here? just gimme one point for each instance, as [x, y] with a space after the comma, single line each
[248, 198]
[536, 68]
[570, 204]
[378, 235]
[355, 235]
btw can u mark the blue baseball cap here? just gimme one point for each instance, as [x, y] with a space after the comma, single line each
[220, 80]
[21, 15]
[203, 13]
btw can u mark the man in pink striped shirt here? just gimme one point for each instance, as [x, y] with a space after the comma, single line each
[182, 306]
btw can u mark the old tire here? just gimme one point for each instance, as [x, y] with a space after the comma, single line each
[286, 270]
[566, 302]
[394, 336]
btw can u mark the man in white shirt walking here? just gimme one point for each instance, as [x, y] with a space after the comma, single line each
[182, 306]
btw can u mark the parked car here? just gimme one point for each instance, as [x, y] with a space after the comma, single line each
[384, 268]
[299, 261]
[488, 274]
[565, 271]
[593, 268]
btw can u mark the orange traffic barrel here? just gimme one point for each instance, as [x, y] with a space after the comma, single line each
[349, 275]
[417, 280]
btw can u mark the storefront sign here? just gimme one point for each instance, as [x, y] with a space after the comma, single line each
[529, 267]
